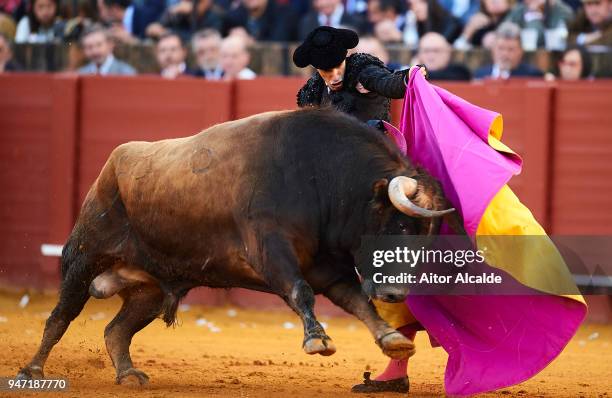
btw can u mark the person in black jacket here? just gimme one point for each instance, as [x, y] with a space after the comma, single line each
[360, 85]
[264, 20]
[507, 54]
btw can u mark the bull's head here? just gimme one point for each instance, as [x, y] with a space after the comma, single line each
[405, 206]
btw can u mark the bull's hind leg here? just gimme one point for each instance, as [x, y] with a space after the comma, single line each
[78, 271]
[281, 272]
[141, 305]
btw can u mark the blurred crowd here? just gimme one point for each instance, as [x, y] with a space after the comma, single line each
[219, 33]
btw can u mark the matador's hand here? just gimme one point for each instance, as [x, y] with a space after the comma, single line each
[361, 89]
[422, 68]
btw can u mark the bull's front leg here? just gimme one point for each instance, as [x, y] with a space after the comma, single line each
[350, 297]
[315, 339]
[280, 268]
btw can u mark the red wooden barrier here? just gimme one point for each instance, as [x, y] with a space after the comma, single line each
[582, 159]
[37, 127]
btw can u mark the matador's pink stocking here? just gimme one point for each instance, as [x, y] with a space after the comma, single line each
[398, 368]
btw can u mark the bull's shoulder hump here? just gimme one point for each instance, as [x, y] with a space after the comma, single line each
[242, 124]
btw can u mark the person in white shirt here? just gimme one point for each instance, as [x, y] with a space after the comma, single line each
[41, 24]
[235, 59]
[98, 49]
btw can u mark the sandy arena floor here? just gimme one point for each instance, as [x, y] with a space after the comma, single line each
[258, 354]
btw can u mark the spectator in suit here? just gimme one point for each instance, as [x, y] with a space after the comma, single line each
[328, 13]
[575, 64]
[235, 59]
[264, 20]
[593, 24]
[541, 15]
[171, 56]
[6, 56]
[206, 46]
[181, 18]
[507, 56]
[41, 24]
[98, 48]
[429, 16]
[480, 28]
[435, 52]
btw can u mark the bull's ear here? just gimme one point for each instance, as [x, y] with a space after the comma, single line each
[380, 192]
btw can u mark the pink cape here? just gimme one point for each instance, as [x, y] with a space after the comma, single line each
[492, 341]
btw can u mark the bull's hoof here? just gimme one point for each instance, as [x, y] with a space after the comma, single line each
[132, 378]
[322, 345]
[30, 373]
[395, 345]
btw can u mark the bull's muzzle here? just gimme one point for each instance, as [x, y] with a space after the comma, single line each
[388, 294]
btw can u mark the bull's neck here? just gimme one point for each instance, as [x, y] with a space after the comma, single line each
[348, 215]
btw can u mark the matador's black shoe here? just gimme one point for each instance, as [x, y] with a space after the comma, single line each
[369, 385]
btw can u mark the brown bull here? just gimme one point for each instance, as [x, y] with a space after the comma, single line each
[276, 202]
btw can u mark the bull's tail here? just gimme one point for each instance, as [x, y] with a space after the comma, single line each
[69, 256]
[101, 226]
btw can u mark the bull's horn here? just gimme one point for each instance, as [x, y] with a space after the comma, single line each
[400, 188]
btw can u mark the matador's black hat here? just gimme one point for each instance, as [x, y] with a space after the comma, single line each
[325, 47]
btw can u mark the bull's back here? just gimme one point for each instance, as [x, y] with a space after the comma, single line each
[186, 184]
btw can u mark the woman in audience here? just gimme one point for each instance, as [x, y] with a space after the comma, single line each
[575, 64]
[41, 24]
